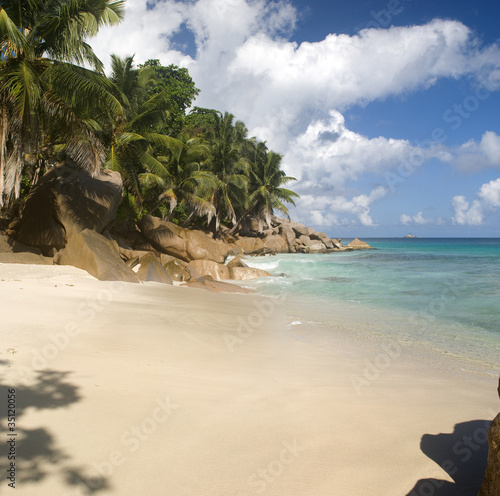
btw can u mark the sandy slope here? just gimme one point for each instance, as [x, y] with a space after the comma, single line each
[130, 389]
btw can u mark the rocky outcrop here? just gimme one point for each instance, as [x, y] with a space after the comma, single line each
[356, 244]
[200, 268]
[177, 270]
[188, 245]
[99, 256]
[67, 201]
[246, 273]
[150, 269]
[12, 251]
[491, 482]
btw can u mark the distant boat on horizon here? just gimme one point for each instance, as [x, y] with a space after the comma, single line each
[410, 235]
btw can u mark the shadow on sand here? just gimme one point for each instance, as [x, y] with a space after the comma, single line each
[461, 454]
[36, 452]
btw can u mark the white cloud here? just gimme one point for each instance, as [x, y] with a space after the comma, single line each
[472, 214]
[419, 219]
[323, 210]
[327, 155]
[473, 156]
[292, 95]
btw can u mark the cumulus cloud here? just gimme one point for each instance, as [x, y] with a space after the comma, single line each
[327, 155]
[474, 156]
[323, 210]
[292, 95]
[473, 214]
[419, 219]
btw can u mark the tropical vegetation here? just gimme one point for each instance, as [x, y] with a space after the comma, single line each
[196, 168]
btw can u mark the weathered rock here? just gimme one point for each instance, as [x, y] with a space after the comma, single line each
[236, 262]
[337, 244]
[491, 482]
[356, 244]
[92, 252]
[65, 201]
[246, 273]
[249, 245]
[177, 270]
[321, 236]
[276, 244]
[300, 229]
[288, 234]
[182, 243]
[150, 269]
[25, 258]
[208, 267]
[12, 251]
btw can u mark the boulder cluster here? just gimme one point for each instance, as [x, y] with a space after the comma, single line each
[68, 217]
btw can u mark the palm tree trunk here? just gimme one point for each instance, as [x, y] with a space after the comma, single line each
[3, 136]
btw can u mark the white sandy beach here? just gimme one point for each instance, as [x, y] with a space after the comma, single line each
[128, 389]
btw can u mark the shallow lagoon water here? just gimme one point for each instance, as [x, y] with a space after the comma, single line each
[440, 294]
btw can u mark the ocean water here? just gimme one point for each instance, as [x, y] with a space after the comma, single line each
[440, 294]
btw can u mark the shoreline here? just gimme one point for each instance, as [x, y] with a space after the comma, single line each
[156, 389]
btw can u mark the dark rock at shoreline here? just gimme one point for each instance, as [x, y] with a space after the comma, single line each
[200, 268]
[67, 201]
[177, 270]
[491, 482]
[96, 254]
[246, 273]
[150, 269]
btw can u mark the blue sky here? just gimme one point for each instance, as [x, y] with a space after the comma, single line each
[385, 111]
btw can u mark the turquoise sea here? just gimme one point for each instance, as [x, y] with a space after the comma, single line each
[443, 294]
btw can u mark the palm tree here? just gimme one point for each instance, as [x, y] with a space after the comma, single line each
[229, 166]
[266, 193]
[128, 138]
[184, 180]
[46, 96]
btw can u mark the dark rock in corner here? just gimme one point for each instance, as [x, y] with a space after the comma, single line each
[491, 482]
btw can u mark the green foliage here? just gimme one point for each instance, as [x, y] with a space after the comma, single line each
[179, 88]
[46, 98]
[199, 169]
[200, 122]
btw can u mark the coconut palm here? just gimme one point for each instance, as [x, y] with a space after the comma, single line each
[184, 180]
[128, 138]
[46, 96]
[229, 166]
[266, 192]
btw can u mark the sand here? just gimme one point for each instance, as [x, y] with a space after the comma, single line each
[147, 389]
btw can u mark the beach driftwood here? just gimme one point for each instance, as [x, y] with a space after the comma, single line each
[491, 482]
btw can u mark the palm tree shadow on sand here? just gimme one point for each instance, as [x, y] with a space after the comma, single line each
[462, 454]
[37, 454]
